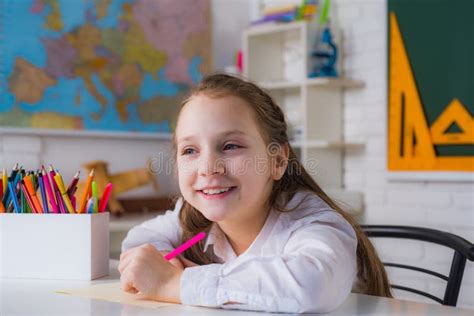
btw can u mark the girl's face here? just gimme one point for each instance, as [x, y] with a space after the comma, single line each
[224, 169]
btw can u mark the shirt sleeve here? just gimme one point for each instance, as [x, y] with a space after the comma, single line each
[314, 273]
[163, 231]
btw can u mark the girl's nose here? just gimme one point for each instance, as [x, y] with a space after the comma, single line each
[211, 164]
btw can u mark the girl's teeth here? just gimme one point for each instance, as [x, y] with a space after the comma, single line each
[215, 191]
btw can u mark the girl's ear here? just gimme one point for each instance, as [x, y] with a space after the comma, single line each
[280, 162]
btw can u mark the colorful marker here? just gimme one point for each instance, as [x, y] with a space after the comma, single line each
[185, 246]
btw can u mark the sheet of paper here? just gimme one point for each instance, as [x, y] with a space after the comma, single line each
[112, 292]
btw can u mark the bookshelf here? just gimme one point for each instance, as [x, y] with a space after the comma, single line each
[276, 57]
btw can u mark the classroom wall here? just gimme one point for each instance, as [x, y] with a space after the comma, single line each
[67, 153]
[442, 205]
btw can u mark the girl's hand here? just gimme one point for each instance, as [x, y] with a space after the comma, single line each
[144, 271]
[179, 261]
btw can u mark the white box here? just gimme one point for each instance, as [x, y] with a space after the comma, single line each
[54, 246]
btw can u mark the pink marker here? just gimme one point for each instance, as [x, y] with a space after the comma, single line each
[185, 246]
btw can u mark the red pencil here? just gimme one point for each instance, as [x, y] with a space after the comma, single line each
[73, 184]
[105, 197]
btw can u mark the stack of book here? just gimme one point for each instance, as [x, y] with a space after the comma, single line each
[288, 11]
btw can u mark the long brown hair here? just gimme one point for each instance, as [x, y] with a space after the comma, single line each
[372, 278]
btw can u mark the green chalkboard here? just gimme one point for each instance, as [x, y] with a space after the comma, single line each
[439, 40]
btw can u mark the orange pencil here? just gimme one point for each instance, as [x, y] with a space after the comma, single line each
[87, 188]
[31, 191]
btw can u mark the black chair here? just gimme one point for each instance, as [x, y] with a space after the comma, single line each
[463, 250]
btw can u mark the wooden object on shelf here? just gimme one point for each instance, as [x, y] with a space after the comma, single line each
[143, 205]
[121, 182]
[277, 58]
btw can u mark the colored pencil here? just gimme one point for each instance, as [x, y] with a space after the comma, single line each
[62, 190]
[4, 181]
[49, 190]
[12, 177]
[86, 192]
[27, 197]
[95, 195]
[105, 197]
[43, 193]
[185, 246]
[1, 190]
[61, 206]
[2, 207]
[90, 206]
[72, 186]
[32, 192]
[13, 197]
[23, 204]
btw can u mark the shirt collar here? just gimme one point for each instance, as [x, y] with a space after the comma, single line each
[222, 248]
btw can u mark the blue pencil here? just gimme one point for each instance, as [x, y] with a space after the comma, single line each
[13, 197]
[43, 194]
[16, 179]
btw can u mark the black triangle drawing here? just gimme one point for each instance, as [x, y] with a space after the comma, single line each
[453, 129]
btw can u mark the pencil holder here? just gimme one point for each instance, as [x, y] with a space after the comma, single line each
[54, 246]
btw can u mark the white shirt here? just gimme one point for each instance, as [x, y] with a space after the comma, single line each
[301, 261]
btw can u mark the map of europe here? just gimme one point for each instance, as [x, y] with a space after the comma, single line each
[102, 65]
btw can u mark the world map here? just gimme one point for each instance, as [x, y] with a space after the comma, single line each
[106, 65]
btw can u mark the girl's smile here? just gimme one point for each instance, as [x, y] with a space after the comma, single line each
[216, 192]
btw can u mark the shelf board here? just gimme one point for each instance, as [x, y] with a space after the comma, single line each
[280, 85]
[327, 144]
[270, 28]
[312, 82]
[334, 82]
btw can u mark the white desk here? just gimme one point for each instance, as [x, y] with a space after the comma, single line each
[37, 297]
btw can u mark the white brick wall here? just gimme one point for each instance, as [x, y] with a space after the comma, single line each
[442, 205]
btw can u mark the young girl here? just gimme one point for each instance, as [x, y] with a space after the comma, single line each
[275, 241]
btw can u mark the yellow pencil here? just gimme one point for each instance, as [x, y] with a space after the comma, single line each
[87, 188]
[62, 190]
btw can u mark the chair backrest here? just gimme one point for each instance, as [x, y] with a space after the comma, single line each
[463, 250]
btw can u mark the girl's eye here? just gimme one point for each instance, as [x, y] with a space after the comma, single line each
[231, 146]
[188, 151]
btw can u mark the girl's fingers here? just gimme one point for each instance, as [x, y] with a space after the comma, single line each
[124, 262]
[127, 285]
[128, 256]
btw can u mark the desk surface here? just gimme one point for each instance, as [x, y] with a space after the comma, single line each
[37, 297]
